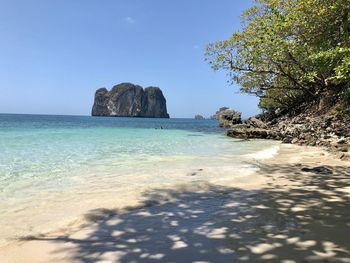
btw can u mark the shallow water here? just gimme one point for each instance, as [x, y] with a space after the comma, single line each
[55, 168]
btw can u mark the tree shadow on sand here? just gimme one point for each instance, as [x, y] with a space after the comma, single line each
[308, 222]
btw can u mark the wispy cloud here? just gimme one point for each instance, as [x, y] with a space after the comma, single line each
[129, 20]
[196, 46]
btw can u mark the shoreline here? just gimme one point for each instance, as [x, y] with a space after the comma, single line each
[115, 181]
[295, 207]
[328, 131]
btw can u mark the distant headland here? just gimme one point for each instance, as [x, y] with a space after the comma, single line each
[129, 100]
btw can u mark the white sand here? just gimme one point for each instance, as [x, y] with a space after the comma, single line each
[296, 207]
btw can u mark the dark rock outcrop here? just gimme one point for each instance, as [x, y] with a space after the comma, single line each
[216, 115]
[228, 117]
[199, 117]
[129, 100]
[306, 128]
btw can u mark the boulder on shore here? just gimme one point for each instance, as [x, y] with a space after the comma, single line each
[129, 100]
[228, 117]
[216, 115]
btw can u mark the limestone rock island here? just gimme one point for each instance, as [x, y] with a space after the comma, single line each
[129, 100]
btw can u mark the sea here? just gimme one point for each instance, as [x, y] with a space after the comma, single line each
[54, 169]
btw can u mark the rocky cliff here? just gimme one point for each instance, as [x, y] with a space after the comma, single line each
[305, 128]
[129, 100]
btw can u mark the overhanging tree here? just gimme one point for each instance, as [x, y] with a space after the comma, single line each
[289, 52]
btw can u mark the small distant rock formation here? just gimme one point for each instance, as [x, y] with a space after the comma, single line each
[227, 117]
[199, 117]
[129, 100]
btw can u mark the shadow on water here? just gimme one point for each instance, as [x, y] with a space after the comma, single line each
[308, 222]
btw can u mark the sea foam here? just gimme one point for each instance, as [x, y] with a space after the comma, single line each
[265, 154]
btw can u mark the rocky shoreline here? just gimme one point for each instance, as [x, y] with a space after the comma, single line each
[305, 128]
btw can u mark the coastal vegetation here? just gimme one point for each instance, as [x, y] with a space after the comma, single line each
[291, 54]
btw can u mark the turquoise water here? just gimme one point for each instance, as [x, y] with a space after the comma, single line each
[55, 168]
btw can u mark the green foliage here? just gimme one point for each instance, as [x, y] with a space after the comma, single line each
[344, 99]
[289, 51]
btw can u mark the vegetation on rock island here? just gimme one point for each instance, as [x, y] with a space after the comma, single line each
[290, 53]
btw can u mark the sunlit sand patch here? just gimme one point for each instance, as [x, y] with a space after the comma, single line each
[345, 190]
[117, 233]
[335, 199]
[298, 208]
[263, 247]
[226, 251]
[177, 242]
[218, 233]
[261, 207]
[292, 240]
[269, 256]
[231, 204]
[306, 244]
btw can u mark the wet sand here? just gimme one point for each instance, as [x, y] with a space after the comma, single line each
[296, 208]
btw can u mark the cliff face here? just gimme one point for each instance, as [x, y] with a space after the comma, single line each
[129, 100]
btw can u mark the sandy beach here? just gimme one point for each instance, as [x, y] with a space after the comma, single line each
[295, 208]
[175, 131]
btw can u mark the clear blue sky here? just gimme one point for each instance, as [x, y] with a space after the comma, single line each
[55, 54]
